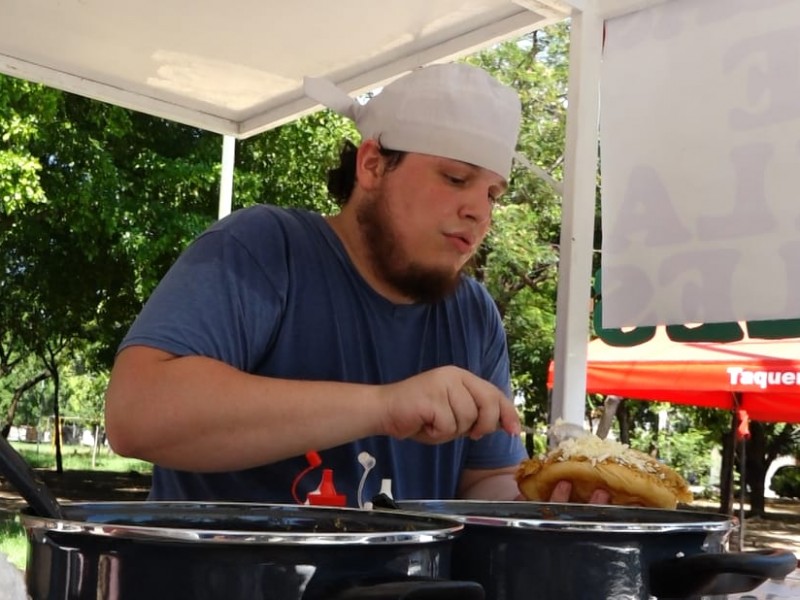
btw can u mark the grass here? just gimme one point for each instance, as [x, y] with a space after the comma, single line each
[78, 458]
[13, 542]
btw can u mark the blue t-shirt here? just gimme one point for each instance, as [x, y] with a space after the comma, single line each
[273, 292]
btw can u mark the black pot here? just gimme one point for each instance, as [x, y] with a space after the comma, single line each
[545, 551]
[228, 551]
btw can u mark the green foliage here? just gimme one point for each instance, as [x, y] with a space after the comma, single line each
[786, 482]
[13, 542]
[83, 393]
[34, 400]
[19, 119]
[537, 443]
[688, 452]
[288, 166]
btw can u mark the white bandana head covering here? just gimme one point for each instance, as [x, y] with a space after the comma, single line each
[452, 110]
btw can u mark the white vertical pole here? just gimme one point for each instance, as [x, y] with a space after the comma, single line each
[226, 178]
[568, 399]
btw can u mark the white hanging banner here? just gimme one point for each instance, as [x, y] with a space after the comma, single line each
[700, 159]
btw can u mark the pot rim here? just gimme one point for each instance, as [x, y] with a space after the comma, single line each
[428, 528]
[474, 512]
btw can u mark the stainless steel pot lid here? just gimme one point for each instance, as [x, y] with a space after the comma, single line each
[242, 523]
[545, 516]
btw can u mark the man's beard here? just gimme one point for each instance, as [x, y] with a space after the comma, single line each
[391, 262]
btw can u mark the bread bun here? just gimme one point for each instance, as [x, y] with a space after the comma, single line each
[632, 478]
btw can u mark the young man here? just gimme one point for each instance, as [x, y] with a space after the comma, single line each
[280, 331]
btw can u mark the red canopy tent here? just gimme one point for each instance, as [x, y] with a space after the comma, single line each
[763, 376]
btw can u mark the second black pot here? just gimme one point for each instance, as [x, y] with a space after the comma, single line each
[545, 551]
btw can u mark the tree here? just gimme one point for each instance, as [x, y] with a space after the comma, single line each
[19, 186]
[288, 166]
[20, 394]
[84, 392]
[68, 274]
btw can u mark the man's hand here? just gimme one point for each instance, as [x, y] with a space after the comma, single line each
[563, 488]
[445, 403]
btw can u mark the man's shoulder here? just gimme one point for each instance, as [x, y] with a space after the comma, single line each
[260, 223]
[477, 306]
[470, 291]
[259, 216]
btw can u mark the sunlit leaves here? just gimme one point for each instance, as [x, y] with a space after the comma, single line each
[288, 165]
[19, 182]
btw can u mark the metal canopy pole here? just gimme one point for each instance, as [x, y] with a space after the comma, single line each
[226, 177]
[577, 220]
[742, 488]
[740, 437]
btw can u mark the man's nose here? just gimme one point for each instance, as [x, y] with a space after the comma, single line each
[477, 207]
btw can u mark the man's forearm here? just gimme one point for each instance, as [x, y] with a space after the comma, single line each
[494, 484]
[195, 413]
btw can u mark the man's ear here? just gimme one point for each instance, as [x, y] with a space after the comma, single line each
[370, 165]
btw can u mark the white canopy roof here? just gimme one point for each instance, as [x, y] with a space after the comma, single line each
[236, 67]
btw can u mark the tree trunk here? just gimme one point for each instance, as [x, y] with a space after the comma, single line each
[57, 415]
[756, 467]
[624, 417]
[12, 408]
[726, 472]
[655, 443]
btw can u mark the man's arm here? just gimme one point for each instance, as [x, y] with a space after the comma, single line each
[199, 414]
[489, 484]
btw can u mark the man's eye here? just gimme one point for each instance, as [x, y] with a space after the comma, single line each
[454, 179]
